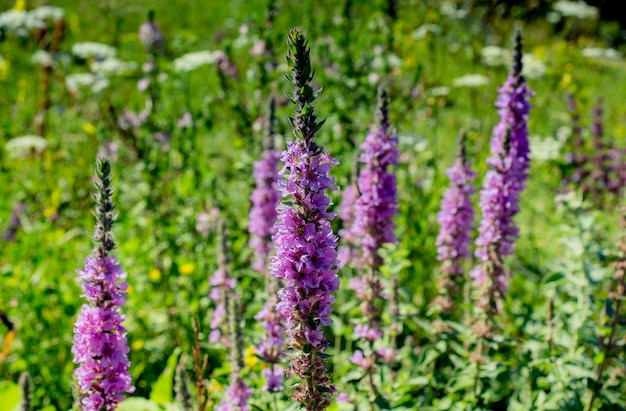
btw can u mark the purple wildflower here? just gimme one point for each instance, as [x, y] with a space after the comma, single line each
[348, 251]
[14, 222]
[373, 226]
[263, 214]
[100, 345]
[264, 199]
[235, 398]
[499, 198]
[237, 394]
[377, 204]
[456, 219]
[306, 248]
[150, 34]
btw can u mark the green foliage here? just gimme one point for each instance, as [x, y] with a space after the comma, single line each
[545, 349]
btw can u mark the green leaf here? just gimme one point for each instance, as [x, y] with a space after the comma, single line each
[138, 404]
[162, 389]
[9, 395]
[322, 355]
[554, 277]
[382, 402]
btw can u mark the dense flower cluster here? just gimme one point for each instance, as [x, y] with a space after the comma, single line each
[456, 219]
[377, 204]
[235, 398]
[306, 248]
[499, 198]
[100, 345]
[263, 212]
[373, 226]
[348, 251]
[270, 346]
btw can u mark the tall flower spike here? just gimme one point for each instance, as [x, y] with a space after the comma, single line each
[262, 218]
[100, 345]
[264, 198]
[499, 198]
[237, 394]
[456, 219]
[348, 251]
[306, 248]
[373, 225]
[377, 204]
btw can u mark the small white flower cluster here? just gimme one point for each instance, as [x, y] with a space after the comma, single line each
[425, 29]
[24, 145]
[42, 58]
[597, 52]
[85, 81]
[113, 66]
[546, 148]
[48, 13]
[22, 23]
[578, 9]
[471, 81]
[450, 9]
[191, 61]
[88, 50]
[495, 56]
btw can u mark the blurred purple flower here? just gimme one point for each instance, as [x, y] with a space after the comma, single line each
[100, 346]
[456, 219]
[263, 213]
[150, 34]
[499, 198]
[186, 121]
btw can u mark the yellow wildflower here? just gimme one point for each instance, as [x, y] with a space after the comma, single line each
[155, 275]
[187, 268]
[89, 128]
[249, 358]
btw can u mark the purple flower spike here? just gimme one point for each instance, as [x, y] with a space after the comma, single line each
[264, 200]
[237, 394]
[499, 198]
[100, 346]
[456, 219]
[306, 248]
[377, 204]
[374, 210]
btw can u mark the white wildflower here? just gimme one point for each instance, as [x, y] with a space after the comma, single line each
[578, 9]
[24, 145]
[545, 148]
[471, 80]
[89, 50]
[450, 9]
[532, 67]
[42, 58]
[495, 56]
[48, 13]
[112, 66]
[20, 23]
[597, 52]
[425, 29]
[85, 81]
[441, 91]
[191, 61]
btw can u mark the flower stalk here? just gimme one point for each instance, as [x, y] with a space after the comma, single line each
[100, 345]
[306, 247]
